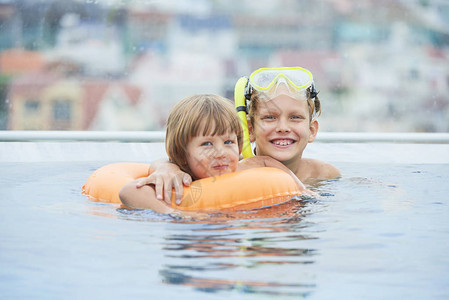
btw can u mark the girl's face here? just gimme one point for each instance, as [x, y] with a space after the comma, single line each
[282, 129]
[212, 155]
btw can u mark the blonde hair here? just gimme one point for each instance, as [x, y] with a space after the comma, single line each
[212, 113]
[314, 105]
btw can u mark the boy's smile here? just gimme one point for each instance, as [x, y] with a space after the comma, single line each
[283, 142]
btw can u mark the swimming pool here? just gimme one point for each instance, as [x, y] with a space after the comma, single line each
[378, 233]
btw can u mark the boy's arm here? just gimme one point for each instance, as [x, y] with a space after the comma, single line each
[165, 176]
[262, 161]
[266, 161]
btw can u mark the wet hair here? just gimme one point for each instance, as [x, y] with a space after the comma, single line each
[314, 105]
[212, 114]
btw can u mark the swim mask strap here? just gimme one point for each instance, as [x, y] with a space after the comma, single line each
[240, 97]
[313, 92]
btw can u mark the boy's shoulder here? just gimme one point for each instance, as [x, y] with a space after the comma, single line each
[318, 169]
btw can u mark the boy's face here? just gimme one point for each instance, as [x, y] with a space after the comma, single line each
[282, 128]
[212, 155]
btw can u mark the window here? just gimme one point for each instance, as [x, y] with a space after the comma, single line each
[32, 106]
[62, 115]
[62, 110]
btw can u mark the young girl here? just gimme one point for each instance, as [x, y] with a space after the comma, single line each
[203, 139]
[283, 106]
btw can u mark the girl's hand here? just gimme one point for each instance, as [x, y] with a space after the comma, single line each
[166, 177]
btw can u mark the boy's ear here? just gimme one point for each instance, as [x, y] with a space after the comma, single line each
[252, 137]
[313, 130]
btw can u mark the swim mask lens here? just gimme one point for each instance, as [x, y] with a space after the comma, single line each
[272, 82]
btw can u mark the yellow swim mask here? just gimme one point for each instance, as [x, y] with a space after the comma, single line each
[272, 82]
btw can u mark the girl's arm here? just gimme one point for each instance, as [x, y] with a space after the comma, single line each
[143, 198]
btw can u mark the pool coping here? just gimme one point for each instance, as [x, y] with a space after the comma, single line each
[158, 136]
[372, 153]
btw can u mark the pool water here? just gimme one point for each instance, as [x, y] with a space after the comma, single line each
[380, 232]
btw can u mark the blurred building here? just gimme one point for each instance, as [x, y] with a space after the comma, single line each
[45, 101]
[42, 101]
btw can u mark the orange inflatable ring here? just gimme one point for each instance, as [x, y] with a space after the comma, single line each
[248, 189]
